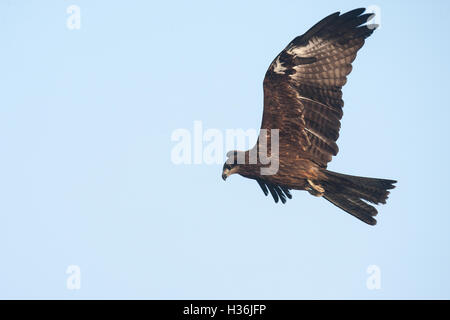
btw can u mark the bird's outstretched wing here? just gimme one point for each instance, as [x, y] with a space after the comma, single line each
[302, 87]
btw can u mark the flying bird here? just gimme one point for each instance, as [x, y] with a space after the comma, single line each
[303, 105]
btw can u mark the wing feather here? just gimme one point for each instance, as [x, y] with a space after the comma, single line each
[303, 86]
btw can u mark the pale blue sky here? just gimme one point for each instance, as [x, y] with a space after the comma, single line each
[86, 177]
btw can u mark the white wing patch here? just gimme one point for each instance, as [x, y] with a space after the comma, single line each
[302, 51]
[278, 67]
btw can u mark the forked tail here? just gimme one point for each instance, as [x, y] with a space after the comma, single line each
[350, 193]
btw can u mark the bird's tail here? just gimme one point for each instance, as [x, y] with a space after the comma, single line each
[350, 193]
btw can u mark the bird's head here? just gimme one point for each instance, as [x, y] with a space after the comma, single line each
[230, 166]
[228, 170]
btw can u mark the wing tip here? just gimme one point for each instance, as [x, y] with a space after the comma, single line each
[354, 13]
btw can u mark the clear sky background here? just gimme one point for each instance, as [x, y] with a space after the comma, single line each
[86, 176]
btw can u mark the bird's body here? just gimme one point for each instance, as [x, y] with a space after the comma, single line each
[292, 174]
[302, 112]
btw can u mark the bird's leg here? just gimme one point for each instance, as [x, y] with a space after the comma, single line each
[315, 190]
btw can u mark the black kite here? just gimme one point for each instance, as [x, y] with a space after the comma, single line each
[303, 100]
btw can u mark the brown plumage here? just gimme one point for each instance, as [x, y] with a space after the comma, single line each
[303, 100]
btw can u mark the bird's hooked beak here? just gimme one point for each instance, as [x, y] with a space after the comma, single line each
[225, 174]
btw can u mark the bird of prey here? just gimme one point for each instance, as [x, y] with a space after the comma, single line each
[303, 103]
